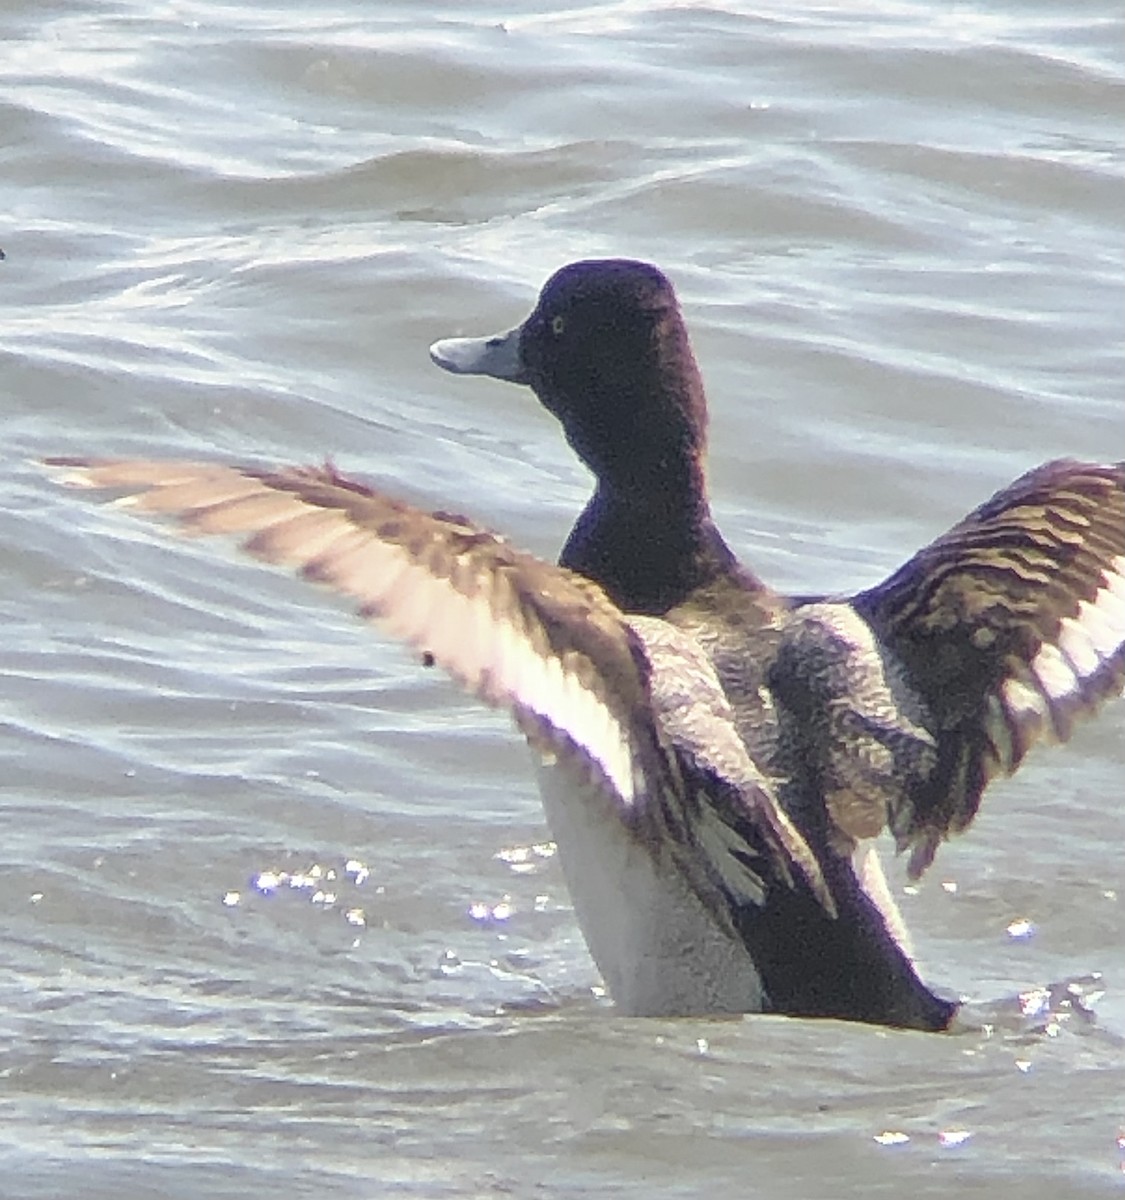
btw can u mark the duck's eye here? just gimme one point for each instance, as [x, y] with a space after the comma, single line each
[558, 324]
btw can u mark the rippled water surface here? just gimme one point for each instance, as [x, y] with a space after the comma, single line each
[279, 916]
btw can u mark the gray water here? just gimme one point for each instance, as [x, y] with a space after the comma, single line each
[279, 918]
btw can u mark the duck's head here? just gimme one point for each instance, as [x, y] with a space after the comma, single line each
[606, 351]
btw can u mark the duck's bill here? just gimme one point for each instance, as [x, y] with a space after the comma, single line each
[497, 356]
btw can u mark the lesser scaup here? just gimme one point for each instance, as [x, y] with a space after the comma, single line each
[714, 751]
[891, 708]
[626, 710]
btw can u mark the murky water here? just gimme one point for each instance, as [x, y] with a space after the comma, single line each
[278, 915]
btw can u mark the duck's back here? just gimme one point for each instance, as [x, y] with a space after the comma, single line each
[738, 621]
[813, 963]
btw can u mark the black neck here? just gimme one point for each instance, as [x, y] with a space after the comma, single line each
[648, 548]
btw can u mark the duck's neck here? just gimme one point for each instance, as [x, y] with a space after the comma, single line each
[649, 544]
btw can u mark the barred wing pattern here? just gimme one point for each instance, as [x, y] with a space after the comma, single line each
[1007, 629]
[611, 697]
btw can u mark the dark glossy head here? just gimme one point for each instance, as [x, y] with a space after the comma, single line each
[605, 349]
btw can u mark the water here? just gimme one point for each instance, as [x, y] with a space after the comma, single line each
[232, 231]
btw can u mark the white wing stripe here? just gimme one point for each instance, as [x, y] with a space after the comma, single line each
[1000, 723]
[477, 646]
[1078, 648]
[1104, 617]
[1024, 703]
[1094, 619]
[1085, 641]
[1115, 579]
[1110, 600]
[1053, 673]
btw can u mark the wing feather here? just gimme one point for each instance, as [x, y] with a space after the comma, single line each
[521, 634]
[1009, 629]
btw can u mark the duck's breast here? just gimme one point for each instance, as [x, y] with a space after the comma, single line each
[658, 949]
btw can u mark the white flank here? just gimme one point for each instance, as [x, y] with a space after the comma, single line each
[659, 950]
[868, 867]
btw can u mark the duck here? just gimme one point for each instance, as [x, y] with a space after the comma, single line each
[713, 756]
[891, 709]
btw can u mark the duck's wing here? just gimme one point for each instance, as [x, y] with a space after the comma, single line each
[604, 695]
[1004, 631]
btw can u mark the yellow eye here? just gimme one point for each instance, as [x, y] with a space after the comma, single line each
[558, 324]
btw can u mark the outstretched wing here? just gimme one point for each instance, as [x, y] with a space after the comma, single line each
[1008, 628]
[581, 680]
